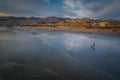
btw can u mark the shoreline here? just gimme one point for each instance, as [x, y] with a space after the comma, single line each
[69, 29]
[79, 30]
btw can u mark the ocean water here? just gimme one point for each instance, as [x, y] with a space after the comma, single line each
[72, 56]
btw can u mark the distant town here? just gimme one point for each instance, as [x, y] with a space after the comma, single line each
[59, 22]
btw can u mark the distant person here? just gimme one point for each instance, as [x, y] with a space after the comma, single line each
[93, 46]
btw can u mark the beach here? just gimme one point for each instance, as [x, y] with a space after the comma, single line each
[58, 55]
[73, 29]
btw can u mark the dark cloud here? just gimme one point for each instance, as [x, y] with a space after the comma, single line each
[62, 8]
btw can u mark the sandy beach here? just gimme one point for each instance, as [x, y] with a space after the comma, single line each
[59, 39]
[73, 29]
[35, 51]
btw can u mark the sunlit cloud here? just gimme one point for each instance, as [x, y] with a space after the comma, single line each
[5, 14]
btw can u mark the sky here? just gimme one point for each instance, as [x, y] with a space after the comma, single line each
[61, 8]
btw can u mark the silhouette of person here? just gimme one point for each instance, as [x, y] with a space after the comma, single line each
[93, 46]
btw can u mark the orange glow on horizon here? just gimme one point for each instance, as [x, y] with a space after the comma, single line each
[5, 14]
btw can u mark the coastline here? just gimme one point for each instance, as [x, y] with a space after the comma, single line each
[81, 30]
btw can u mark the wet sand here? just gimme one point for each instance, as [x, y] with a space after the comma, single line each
[73, 29]
[28, 50]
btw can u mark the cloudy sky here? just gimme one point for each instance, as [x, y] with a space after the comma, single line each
[61, 8]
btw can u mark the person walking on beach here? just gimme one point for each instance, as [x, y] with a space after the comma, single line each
[93, 46]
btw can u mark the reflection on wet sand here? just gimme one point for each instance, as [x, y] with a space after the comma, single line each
[30, 50]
